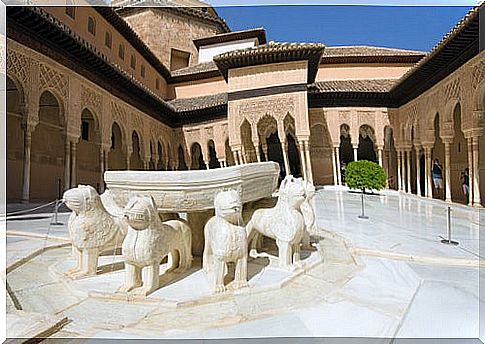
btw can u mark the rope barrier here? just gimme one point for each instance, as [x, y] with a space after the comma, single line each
[25, 211]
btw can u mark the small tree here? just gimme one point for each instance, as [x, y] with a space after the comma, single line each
[364, 175]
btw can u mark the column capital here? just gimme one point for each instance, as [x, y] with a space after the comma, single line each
[447, 139]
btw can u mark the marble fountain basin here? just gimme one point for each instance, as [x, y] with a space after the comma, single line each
[194, 190]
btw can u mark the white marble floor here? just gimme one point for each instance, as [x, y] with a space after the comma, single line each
[405, 282]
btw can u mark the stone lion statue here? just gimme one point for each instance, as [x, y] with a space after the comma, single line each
[284, 222]
[92, 228]
[308, 212]
[225, 242]
[148, 241]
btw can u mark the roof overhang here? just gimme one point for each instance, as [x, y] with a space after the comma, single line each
[259, 34]
[272, 53]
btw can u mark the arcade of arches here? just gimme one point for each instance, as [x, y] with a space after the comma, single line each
[64, 130]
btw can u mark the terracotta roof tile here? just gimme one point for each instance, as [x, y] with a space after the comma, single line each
[361, 50]
[203, 67]
[197, 103]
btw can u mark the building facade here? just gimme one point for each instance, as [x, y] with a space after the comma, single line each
[165, 88]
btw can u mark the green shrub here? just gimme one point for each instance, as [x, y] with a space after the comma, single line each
[364, 175]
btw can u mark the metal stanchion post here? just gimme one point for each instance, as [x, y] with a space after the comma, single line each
[56, 211]
[362, 216]
[448, 222]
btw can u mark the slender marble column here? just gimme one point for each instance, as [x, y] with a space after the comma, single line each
[304, 165]
[73, 164]
[26, 176]
[308, 162]
[470, 170]
[264, 146]
[447, 172]
[101, 169]
[284, 146]
[408, 173]
[334, 168]
[258, 153]
[418, 172]
[429, 185]
[67, 164]
[379, 151]
[355, 152]
[476, 173]
[339, 173]
[399, 180]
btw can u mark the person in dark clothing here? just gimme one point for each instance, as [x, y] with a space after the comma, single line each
[465, 180]
[437, 173]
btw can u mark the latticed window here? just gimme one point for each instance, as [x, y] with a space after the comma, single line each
[133, 61]
[121, 52]
[71, 11]
[142, 71]
[157, 83]
[91, 26]
[108, 39]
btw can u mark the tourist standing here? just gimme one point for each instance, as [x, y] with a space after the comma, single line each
[465, 180]
[437, 173]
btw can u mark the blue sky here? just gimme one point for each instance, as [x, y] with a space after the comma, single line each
[406, 27]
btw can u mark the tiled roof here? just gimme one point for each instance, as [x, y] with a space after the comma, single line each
[197, 103]
[362, 50]
[192, 12]
[203, 67]
[367, 85]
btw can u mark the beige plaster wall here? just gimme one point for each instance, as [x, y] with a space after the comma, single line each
[361, 71]
[198, 88]
[163, 30]
[261, 76]
[80, 26]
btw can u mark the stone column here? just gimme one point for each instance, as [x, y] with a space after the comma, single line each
[26, 169]
[264, 146]
[429, 185]
[379, 151]
[234, 155]
[146, 164]
[476, 173]
[470, 169]
[67, 163]
[240, 156]
[339, 173]
[334, 168]
[418, 171]
[101, 169]
[447, 170]
[258, 153]
[302, 159]
[284, 146]
[73, 163]
[399, 180]
[408, 172]
[355, 151]
[308, 161]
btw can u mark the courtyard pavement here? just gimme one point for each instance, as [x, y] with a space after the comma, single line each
[407, 285]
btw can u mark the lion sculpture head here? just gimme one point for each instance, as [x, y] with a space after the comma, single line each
[141, 211]
[228, 205]
[82, 199]
[293, 191]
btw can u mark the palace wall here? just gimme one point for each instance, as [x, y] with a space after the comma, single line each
[197, 88]
[80, 25]
[48, 103]
[448, 120]
[163, 31]
[355, 71]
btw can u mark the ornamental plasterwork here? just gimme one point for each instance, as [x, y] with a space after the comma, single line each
[366, 117]
[277, 107]
[344, 117]
[209, 132]
[478, 73]
[118, 113]
[19, 65]
[452, 89]
[90, 98]
[49, 78]
[2, 55]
